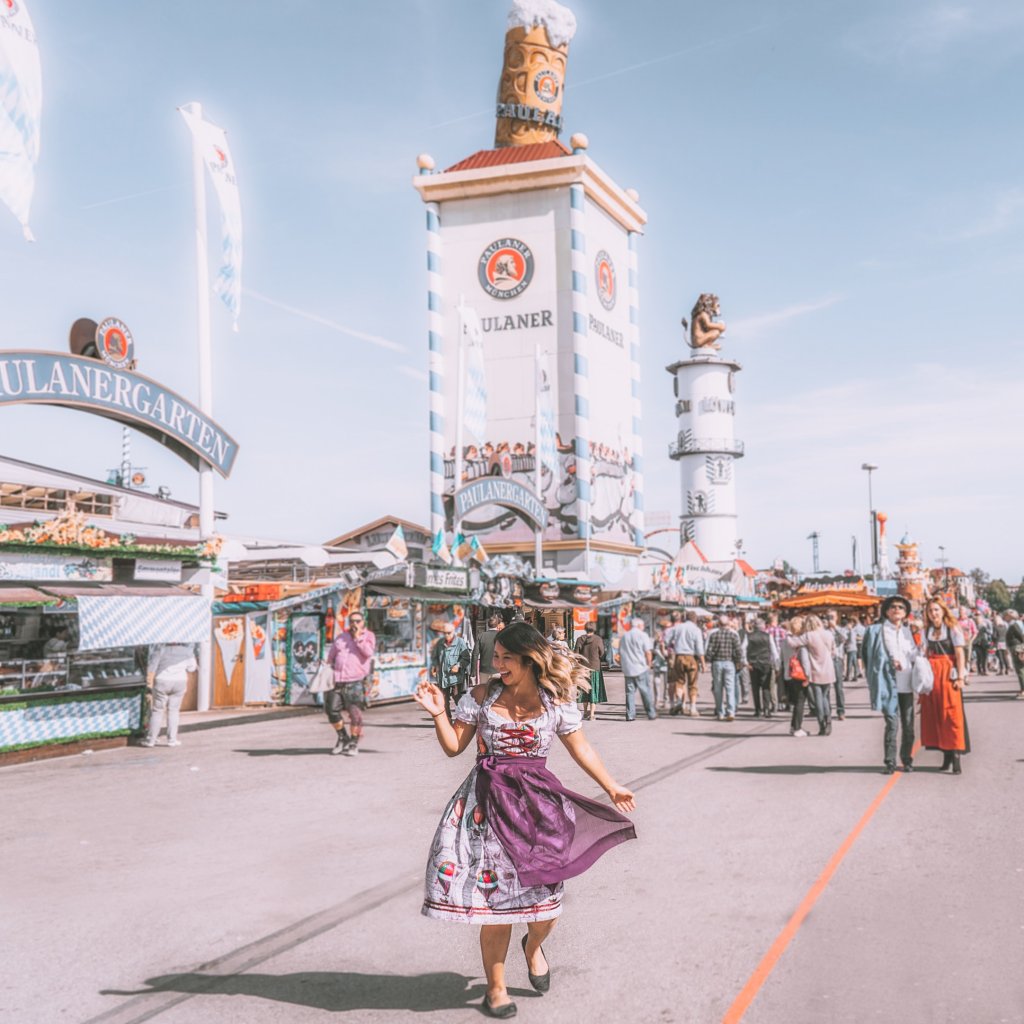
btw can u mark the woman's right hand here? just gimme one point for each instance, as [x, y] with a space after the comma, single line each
[430, 698]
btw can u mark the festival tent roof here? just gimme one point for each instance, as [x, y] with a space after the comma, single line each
[837, 598]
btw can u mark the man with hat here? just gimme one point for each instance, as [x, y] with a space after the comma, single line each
[1015, 643]
[889, 653]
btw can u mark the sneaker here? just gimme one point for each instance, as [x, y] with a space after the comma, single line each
[730, 718]
[147, 742]
[351, 749]
[174, 743]
[694, 713]
[339, 747]
[797, 732]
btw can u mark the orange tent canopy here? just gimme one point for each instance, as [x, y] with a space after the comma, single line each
[828, 598]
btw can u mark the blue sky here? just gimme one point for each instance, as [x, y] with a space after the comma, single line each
[847, 176]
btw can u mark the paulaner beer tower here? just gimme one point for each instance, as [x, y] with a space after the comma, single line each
[535, 245]
[706, 447]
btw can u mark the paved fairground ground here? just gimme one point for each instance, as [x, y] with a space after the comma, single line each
[248, 876]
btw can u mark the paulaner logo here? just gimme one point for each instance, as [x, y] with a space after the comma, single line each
[505, 269]
[604, 273]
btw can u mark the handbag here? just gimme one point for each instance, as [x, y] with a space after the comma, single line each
[922, 679]
[323, 680]
[796, 670]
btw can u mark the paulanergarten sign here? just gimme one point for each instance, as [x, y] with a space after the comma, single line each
[507, 493]
[47, 378]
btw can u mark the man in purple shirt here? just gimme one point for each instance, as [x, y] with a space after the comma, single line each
[351, 657]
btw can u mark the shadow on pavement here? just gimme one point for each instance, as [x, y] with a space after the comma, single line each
[335, 991]
[296, 751]
[736, 735]
[804, 769]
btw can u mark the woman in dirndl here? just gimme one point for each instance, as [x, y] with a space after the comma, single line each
[943, 723]
[512, 833]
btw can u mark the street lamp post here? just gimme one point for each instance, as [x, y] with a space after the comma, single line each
[869, 468]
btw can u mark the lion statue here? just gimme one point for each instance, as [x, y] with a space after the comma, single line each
[705, 329]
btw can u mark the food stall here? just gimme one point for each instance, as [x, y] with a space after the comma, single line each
[79, 610]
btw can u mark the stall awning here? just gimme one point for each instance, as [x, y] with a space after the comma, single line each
[418, 594]
[138, 621]
[23, 596]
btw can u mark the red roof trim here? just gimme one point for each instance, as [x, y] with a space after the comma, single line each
[512, 155]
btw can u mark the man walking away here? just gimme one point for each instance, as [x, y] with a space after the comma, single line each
[1015, 644]
[723, 651]
[837, 659]
[482, 667]
[684, 647]
[351, 657]
[636, 652]
[590, 647]
[762, 661]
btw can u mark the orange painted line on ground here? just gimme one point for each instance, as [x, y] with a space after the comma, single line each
[756, 981]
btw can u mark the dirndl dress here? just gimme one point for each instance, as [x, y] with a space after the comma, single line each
[512, 833]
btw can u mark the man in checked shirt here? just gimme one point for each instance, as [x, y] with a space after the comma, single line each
[724, 651]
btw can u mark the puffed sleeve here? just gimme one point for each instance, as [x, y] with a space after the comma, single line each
[467, 709]
[568, 718]
[957, 636]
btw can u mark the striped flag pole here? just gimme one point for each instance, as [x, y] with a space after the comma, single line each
[435, 336]
[634, 367]
[205, 681]
[538, 412]
[581, 382]
[460, 412]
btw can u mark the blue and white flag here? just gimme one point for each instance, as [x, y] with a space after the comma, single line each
[213, 145]
[441, 549]
[474, 412]
[548, 453]
[21, 103]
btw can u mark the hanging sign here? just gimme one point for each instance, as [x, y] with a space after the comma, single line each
[510, 494]
[48, 378]
[55, 568]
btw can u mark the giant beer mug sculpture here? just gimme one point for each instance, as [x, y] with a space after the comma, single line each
[533, 75]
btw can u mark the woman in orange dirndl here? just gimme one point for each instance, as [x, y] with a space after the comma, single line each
[943, 724]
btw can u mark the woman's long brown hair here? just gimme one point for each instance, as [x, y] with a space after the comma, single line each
[557, 673]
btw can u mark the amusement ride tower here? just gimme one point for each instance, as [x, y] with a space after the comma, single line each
[706, 447]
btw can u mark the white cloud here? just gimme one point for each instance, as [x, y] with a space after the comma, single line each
[1007, 210]
[750, 327]
[315, 318]
[933, 29]
[414, 372]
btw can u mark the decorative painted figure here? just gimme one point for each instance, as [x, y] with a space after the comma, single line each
[706, 328]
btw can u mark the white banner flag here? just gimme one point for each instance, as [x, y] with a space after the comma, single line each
[213, 144]
[474, 418]
[21, 102]
[546, 428]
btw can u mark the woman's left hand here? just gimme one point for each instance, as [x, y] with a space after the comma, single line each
[622, 798]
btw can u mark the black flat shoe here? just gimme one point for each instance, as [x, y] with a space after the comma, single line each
[501, 1012]
[540, 982]
[889, 769]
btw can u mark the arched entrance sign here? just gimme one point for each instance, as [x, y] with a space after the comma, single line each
[495, 490]
[49, 378]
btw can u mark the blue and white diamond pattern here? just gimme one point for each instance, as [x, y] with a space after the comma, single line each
[65, 721]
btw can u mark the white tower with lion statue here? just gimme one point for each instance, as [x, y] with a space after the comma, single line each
[706, 447]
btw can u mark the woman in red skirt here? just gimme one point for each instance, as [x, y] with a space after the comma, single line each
[943, 725]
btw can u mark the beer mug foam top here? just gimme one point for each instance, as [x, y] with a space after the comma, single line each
[558, 21]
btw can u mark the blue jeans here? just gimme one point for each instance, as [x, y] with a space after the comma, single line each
[840, 695]
[723, 685]
[642, 683]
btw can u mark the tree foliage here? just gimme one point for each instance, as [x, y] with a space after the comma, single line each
[1018, 598]
[997, 593]
[980, 577]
